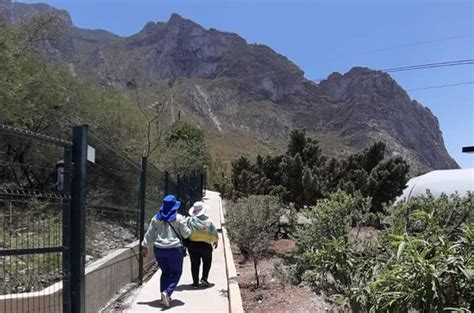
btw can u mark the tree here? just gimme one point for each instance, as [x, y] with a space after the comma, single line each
[292, 168]
[386, 181]
[252, 223]
[47, 99]
[368, 173]
[303, 175]
[186, 149]
[184, 131]
[297, 142]
[217, 177]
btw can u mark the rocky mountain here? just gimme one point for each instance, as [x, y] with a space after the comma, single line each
[245, 96]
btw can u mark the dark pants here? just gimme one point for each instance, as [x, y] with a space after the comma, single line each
[200, 250]
[170, 262]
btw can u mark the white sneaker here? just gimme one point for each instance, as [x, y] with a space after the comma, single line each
[165, 299]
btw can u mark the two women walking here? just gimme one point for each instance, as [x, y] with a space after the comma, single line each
[167, 231]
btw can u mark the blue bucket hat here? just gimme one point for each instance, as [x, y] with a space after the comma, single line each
[168, 209]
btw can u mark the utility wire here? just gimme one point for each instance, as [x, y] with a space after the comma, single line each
[124, 157]
[428, 65]
[25, 165]
[298, 70]
[442, 86]
[418, 67]
[419, 43]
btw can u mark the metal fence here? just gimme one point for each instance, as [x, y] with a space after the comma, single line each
[35, 222]
[187, 188]
[49, 234]
[111, 222]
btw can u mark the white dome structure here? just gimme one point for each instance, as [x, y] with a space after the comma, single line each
[438, 182]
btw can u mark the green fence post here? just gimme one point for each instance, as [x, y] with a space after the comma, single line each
[142, 217]
[78, 218]
[202, 186]
[67, 230]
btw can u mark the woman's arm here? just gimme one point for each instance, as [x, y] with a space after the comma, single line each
[184, 230]
[215, 234]
[150, 235]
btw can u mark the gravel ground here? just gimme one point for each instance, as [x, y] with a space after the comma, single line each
[26, 273]
[274, 295]
[103, 237]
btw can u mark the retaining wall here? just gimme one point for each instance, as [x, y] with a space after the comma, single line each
[104, 278]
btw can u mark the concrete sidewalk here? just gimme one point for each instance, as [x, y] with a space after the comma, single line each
[185, 298]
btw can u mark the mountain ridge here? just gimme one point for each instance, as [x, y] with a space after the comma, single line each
[247, 94]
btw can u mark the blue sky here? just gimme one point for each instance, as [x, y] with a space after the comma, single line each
[332, 36]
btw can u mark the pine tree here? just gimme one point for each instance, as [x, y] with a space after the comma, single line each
[387, 181]
[297, 142]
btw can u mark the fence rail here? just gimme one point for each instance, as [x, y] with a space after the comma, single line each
[47, 232]
[26, 134]
[34, 245]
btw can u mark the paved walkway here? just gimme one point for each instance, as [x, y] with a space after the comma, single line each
[185, 298]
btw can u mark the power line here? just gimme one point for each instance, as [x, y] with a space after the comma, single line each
[418, 43]
[417, 67]
[124, 157]
[428, 65]
[442, 86]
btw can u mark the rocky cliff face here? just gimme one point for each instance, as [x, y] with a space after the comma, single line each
[183, 49]
[16, 12]
[245, 95]
[60, 48]
[374, 103]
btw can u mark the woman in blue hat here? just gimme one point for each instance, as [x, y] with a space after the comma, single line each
[165, 232]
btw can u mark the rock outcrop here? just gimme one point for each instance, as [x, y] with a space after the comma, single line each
[246, 95]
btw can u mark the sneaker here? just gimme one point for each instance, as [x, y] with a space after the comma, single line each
[166, 299]
[206, 283]
[195, 286]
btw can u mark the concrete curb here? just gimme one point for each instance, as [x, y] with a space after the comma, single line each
[121, 264]
[235, 298]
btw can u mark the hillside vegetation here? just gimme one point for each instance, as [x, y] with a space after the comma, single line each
[354, 247]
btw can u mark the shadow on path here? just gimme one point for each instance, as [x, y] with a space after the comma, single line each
[157, 303]
[190, 287]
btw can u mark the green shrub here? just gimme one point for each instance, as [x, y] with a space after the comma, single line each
[423, 261]
[252, 223]
[323, 254]
[426, 275]
[332, 218]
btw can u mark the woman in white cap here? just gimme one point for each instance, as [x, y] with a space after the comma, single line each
[203, 238]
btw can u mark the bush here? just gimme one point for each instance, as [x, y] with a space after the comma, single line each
[322, 255]
[423, 261]
[426, 275]
[252, 223]
[428, 263]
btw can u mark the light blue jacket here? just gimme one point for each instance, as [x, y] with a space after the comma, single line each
[161, 235]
